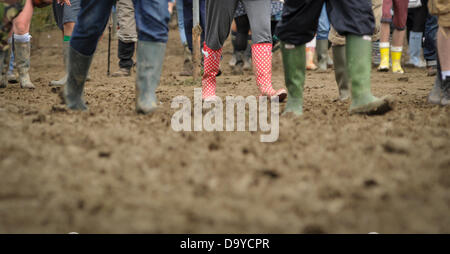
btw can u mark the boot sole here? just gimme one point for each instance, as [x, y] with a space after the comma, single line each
[379, 107]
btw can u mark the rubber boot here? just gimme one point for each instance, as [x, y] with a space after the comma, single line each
[237, 69]
[437, 92]
[396, 56]
[358, 51]
[11, 74]
[125, 54]
[150, 57]
[187, 64]
[3, 68]
[211, 69]
[294, 63]
[322, 55]
[262, 67]
[233, 59]
[340, 72]
[310, 59]
[22, 57]
[248, 57]
[63, 80]
[415, 50]
[446, 92]
[384, 57]
[77, 71]
[376, 57]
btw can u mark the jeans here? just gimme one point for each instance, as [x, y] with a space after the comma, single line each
[152, 18]
[429, 45]
[180, 16]
[324, 25]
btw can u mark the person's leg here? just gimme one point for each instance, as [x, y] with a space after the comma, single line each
[385, 33]
[22, 46]
[3, 67]
[127, 37]
[419, 17]
[322, 40]
[188, 21]
[11, 75]
[187, 63]
[180, 15]
[90, 25]
[429, 46]
[65, 16]
[219, 16]
[242, 27]
[310, 52]
[152, 18]
[377, 8]
[297, 14]
[259, 14]
[355, 19]
[398, 36]
[443, 43]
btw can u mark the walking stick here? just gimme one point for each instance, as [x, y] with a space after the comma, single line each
[196, 34]
[109, 50]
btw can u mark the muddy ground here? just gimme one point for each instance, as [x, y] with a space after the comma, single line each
[109, 170]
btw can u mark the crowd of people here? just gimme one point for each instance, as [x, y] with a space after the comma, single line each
[359, 33]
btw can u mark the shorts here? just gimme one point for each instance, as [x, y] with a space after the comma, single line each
[400, 13]
[66, 14]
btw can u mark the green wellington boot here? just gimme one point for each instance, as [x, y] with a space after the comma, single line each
[63, 80]
[22, 58]
[3, 68]
[322, 55]
[77, 71]
[340, 72]
[294, 62]
[150, 56]
[358, 51]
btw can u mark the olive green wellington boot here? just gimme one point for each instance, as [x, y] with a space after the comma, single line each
[63, 80]
[294, 62]
[340, 72]
[322, 55]
[22, 58]
[358, 50]
[77, 71]
[150, 57]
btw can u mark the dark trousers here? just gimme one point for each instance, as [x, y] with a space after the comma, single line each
[300, 19]
[429, 45]
[125, 53]
[152, 18]
[188, 20]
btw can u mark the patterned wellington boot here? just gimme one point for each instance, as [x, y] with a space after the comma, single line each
[211, 69]
[262, 66]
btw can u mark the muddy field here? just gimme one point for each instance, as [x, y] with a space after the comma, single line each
[109, 170]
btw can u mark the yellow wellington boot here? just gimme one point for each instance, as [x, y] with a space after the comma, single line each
[396, 55]
[384, 57]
